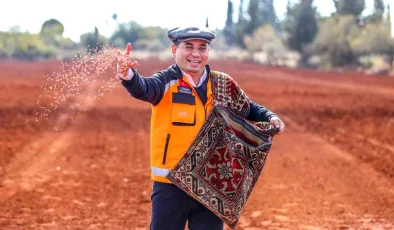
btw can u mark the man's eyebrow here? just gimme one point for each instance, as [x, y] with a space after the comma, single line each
[191, 44]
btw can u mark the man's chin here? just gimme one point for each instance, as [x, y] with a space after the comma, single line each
[193, 70]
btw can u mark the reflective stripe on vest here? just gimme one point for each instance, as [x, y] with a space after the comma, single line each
[169, 84]
[160, 171]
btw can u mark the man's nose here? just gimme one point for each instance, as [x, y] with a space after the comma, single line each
[196, 52]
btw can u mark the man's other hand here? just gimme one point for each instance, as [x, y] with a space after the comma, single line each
[278, 123]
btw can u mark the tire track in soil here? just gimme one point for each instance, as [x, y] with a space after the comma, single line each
[34, 164]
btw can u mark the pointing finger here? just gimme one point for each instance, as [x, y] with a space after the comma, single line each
[128, 48]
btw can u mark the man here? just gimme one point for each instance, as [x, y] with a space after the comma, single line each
[181, 98]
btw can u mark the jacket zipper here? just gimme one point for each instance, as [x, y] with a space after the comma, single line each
[165, 149]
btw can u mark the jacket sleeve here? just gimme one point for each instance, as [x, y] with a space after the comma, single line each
[259, 113]
[149, 89]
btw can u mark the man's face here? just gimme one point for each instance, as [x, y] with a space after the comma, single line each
[191, 56]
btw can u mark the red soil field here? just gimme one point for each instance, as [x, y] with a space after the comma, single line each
[333, 167]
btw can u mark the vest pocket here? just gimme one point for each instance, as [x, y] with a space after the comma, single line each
[183, 114]
[166, 148]
[183, 110]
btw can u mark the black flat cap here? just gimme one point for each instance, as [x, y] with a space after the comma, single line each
[191, 33]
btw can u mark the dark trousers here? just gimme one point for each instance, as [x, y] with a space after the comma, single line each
[172, 207]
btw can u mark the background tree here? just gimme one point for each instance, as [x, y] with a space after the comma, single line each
[115, 17]
[259, 12]
[23, 45]
[241, 26]
[52, 32]
[152, 38]
[125, 33]
[353, 7]
[228, 30]
[378, 5]
[265, 39]
[378, 11]
[255, 18]
[335, 40]
[300, 24]
[269, 14]
[375, 39]
[93, 41]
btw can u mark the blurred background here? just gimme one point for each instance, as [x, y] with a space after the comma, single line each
[323, 34]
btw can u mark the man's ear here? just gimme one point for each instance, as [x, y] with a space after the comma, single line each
[173, 49]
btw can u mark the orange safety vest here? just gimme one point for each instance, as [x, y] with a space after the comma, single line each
[175, 122]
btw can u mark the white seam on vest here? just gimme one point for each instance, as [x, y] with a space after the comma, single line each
[169, 84]
[160, 171]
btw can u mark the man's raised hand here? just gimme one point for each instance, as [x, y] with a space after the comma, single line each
[124, 62]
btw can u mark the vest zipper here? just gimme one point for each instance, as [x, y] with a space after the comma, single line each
[165, 149]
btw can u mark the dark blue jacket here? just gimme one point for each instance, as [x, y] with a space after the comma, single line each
[151, 89]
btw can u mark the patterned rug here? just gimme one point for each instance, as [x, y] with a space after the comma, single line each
[224, 162]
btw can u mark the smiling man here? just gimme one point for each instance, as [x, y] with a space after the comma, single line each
[182, 98]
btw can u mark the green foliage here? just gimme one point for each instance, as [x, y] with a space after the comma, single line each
[239, 32]
[152, 38]
[264, 39]
[228, 30]
[335, 37]
[46, 44]
[341, 40]
[67, 43]
[378, 5]
[261, 12]
[239, 29]
[352, 7]
[377, 15]
[150, 45]
[241, 11]
[51, 32]
[269, 14]
[230, 11]
[125, 33]
[374, 39]
[255, 17]
[93, 40]
[23, 46]
[300, 24]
